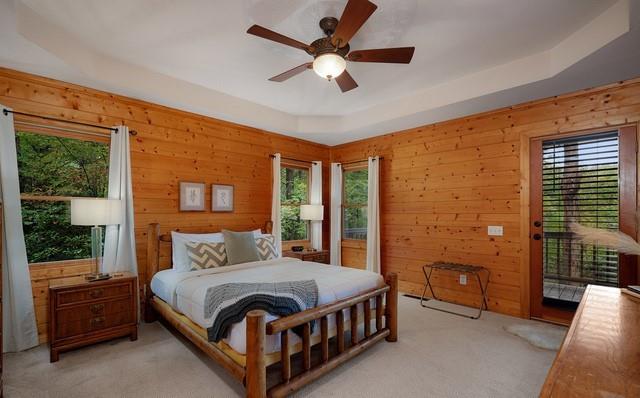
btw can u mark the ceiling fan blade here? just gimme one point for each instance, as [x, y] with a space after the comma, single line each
[400, 55]
[346, 82]
[265, 33]
[292, 72]
[355, 14]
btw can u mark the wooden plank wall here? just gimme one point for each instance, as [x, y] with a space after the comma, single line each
[443, 184]
[171, 146]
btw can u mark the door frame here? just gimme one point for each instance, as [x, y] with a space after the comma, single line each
[526, 138]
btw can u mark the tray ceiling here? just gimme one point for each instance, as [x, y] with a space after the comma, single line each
[195, 55]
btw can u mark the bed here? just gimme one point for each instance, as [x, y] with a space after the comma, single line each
[361, 303]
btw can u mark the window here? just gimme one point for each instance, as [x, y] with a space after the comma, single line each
[51, 170]
[354, 204]
[294, 191]
[580, 182]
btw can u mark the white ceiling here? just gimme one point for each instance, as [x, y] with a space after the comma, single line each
[195, 55]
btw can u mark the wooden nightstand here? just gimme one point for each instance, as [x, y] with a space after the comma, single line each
[83, 313]
[320, 256]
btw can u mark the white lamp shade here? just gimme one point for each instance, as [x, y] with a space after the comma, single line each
[96, 211]
[312, 212]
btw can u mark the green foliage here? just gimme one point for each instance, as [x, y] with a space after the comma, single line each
[49, 235]
[354, 216]
[55, 166]
[356, 187]
[294, 191]
[589, 195]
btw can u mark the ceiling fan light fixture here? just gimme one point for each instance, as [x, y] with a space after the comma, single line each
[329, 66]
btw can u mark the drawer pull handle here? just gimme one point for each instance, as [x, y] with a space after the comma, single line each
[96, 293]
[97, 322]
[97, 308]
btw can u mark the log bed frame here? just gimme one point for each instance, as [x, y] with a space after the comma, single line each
[252, 371]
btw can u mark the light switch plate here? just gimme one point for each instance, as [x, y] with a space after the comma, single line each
[463, 279]
[495, 230]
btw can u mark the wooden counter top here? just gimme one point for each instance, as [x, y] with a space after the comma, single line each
[600, 356]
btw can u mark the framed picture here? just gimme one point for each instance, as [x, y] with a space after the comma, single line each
[221, 197]
[192, 196]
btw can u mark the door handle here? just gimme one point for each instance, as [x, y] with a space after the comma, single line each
[537, 236]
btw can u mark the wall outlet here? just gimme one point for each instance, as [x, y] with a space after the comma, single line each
[495, 230]
[463, 279]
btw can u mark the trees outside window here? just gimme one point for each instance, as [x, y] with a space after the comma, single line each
[52, 170]
[294, 191]
[354, 203]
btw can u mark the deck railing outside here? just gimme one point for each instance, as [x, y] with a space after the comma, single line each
[567, 261]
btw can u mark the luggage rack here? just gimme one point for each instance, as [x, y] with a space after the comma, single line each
[476, 270]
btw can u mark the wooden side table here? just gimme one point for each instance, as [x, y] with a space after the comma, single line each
[318, 256]
[83, 313]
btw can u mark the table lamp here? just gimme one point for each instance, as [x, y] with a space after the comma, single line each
[312, 212]
[94, 213]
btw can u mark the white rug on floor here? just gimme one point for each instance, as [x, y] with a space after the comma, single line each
[545, 336]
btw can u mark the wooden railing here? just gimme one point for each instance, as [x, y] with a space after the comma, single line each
[257, 330]
[567, 260]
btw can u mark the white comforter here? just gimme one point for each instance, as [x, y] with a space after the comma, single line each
[185, 291]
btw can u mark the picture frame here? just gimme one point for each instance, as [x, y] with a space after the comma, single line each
[192, 196]
[222, 197]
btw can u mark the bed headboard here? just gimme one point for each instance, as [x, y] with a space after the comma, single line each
[159, 248]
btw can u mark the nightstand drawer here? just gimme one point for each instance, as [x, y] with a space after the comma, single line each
[86, 311]
[95, 323]
[317, 258]
[94, 293]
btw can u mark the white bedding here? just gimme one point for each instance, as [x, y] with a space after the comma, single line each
[185, 291]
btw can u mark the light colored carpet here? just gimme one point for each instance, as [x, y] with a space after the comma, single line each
[548, 337]
[437, 355]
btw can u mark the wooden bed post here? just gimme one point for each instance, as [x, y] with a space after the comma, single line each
[392, 307]
[256, 369]
[153, 262]
[268, 227]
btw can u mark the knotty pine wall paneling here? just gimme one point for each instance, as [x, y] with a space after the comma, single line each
[171, 146]
[443, 184]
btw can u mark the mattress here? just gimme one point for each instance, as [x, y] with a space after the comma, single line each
[185, 291]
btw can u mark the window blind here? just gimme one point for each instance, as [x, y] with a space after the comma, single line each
[580, 183]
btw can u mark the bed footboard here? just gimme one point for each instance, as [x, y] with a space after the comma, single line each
[257, 330]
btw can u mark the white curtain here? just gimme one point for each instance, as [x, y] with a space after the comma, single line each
[275, 203]
[120, 241]
[336, 213]
[373, 216]
[18, 314]
[316, 199]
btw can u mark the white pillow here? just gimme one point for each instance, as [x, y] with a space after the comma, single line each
[180, 257]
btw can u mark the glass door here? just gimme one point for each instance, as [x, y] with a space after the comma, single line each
[588, 179]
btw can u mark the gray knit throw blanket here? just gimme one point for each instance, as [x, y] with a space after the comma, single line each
[229, 303]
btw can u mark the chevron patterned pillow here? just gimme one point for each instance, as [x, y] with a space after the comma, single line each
[203, 255]
[267, 247]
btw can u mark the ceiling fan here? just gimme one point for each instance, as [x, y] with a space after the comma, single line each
[330, 53]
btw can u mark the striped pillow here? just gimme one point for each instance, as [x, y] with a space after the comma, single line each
[267, 247]
[203, 255]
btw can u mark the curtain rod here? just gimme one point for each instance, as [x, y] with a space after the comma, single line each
[115, 130]
[359, 161]
[295, 160]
